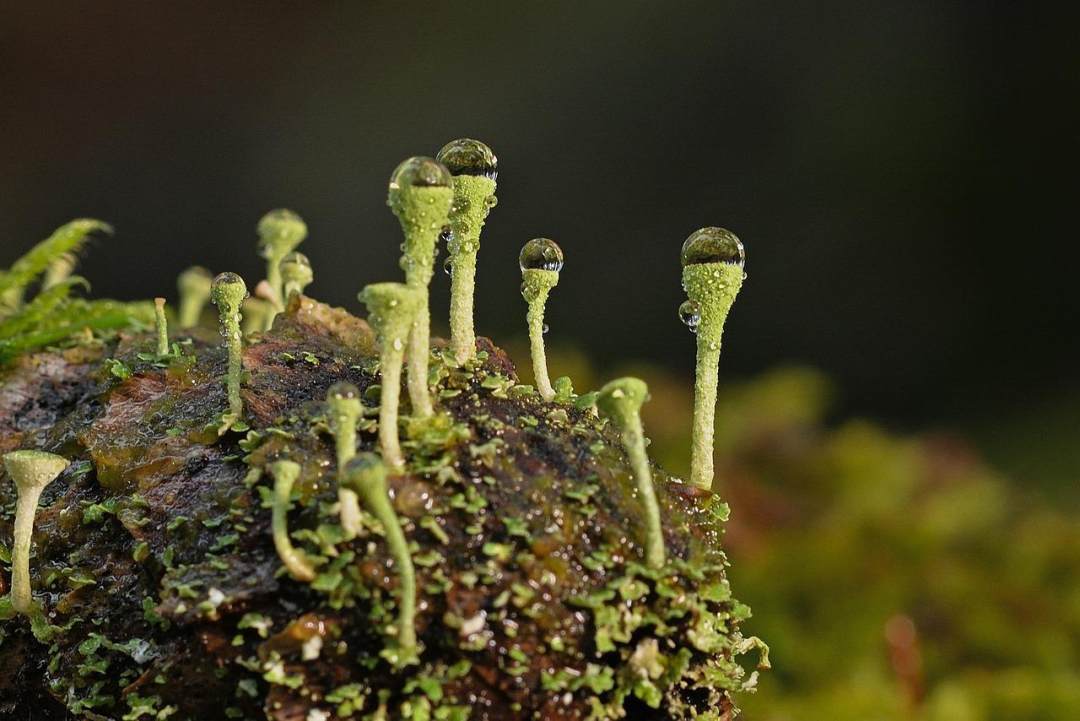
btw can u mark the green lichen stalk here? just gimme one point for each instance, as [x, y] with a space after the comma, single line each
[474, 168]
[621, 401]
[194, 285]
[296, 274]
[343, 402]
[392, 309]
[31, 471]
[713, 260]
[540, 260]
[280, 232]
[228, 294]
[285, 474]
[162, 326]
[367, 476]
[420, 195]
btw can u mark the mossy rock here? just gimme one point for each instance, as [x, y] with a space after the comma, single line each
[155, 565]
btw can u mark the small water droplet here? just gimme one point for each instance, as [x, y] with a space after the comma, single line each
[541, 254]
[690, 314]
[466, 156]
[448, 266]
[398, 345]
[713, 245]
[420, 172]
[545, 329]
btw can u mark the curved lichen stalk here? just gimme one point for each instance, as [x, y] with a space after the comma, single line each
[392, 309]
[285, 474]
[344, 408]
[621, 401]
[366, 474]
[420, 195]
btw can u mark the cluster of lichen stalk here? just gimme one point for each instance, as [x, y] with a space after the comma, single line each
[446, 197]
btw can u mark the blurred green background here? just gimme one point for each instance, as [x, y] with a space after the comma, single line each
[902, 176]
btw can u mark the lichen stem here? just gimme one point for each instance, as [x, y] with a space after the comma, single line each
[25, 511]
[285, 474]
[714, 286]
[535, 288]
[162, 324]
[367, 474]
[31, 471]
[462, 290]
[388, 407]
[419, 350]
[621, 401]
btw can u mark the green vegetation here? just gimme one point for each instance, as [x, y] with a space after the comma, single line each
[712, 260]
[540, 260]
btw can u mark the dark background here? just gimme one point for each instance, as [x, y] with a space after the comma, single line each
[902, 174]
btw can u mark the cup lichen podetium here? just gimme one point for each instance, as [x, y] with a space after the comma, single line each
[621, 400]
[31, 471]
[296, 274]
[420, 194]
[161, 325]
[194, 285]
[366, 474]
[540, 260]
[392, 310]
[474, 168]
[712, 261]
[280, 232]
[228, 294]
[285, 474]
[343, 405]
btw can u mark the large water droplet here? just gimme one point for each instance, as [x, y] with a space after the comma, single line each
[342, 390]
[420, 172]
[466, 156]
[541, 254]
[713, 245]
[690, 314]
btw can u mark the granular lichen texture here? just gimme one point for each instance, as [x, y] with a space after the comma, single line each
[506, 577]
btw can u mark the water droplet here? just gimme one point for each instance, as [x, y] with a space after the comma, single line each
[690, 314]
[541, 254]
[398, 344]
[448, 266]
[420, 172]
[545, 329]
[466, 156]
[713, 245]
[342, 390]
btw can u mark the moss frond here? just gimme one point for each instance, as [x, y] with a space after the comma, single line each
[67, 238]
